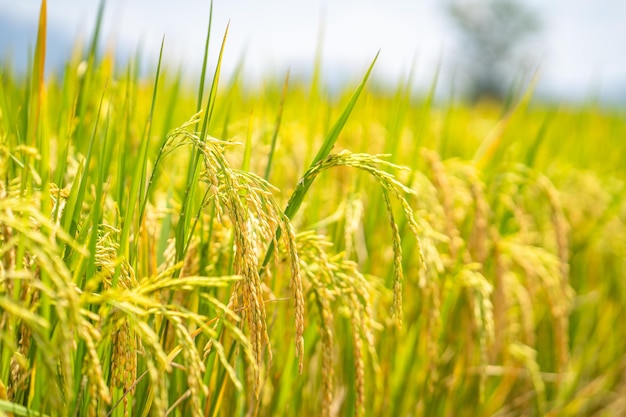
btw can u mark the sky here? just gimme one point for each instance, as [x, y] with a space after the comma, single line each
[579, 50]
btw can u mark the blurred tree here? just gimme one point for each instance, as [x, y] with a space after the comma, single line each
[493, 33]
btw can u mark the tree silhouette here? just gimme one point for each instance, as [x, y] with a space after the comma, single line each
[492, 33]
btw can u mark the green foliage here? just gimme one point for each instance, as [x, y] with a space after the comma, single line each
[429, 261]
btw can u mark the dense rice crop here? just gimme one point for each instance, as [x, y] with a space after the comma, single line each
[210, 249]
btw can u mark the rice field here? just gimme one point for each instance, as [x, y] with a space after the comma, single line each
[206, 248]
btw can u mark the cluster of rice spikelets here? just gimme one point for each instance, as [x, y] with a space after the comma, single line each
[506, 243]
[104, 330]
[124, 343]
[333, 283]
[391, 187]
[42, 309]
[246, 201]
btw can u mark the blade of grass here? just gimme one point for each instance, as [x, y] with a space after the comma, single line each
[37, 91]
[85, 88]
[279, 117]
[216, 79]
[125, 129]
[194, 153]
[173, 99]
[332, 136]
[204, 60]
[18, 410]
[145, 143]
[247, 152]
[221, 383]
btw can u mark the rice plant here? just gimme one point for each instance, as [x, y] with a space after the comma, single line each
[226, 250]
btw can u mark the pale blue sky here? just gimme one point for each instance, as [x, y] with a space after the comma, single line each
[580, 50]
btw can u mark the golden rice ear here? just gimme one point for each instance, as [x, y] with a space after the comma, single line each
[289, 239]
[246, 199]
[124, 361]
[375, 166]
